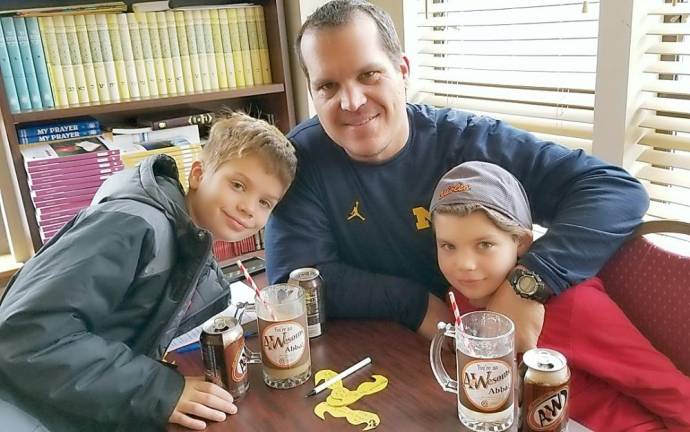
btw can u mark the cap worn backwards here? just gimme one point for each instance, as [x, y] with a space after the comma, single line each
[486, 184]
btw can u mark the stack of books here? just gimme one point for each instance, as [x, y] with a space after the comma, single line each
[224, 250]
[32, 133]
[62, 58]
[64, 176]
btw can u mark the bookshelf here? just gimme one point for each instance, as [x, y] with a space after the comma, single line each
[275, 98]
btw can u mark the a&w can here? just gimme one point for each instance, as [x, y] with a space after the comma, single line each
[222, 350]
[312, 283]
[545, 391]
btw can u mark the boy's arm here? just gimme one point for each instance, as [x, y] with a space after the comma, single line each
[608, 345]
[47, 345]
[298, 235]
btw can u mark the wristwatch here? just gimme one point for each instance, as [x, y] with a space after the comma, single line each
[527, 284]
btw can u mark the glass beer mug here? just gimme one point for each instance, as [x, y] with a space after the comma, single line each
[486, 371]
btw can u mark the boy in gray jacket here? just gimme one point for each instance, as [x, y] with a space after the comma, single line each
[85, 323]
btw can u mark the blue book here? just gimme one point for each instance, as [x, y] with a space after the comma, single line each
[83, 123]
[59, 136]
[8, 79]
[28, 63]
[39, 62]
[16, 62]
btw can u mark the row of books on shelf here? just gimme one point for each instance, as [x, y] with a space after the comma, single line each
[62, 60]
[224, 250]
[63, 176]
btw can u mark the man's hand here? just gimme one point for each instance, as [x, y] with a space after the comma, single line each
[527, 315]
[436, 311]
[204, 400]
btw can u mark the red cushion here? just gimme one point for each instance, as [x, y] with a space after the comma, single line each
[652, 286]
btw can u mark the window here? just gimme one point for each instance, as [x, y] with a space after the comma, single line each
[612, 78]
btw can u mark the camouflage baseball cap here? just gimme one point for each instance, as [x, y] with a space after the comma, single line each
[486, 184]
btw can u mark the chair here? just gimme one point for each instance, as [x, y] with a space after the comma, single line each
[652, 286]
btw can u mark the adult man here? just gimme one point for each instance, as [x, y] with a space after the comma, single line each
[367, 169]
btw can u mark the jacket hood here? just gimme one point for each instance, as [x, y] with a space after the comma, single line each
[154, 182]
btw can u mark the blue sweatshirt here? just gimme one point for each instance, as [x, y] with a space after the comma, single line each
[366, 226]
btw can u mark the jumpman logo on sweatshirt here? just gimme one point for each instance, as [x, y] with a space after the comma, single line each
[355, 212]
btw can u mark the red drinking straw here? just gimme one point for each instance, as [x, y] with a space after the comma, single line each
[253, 284]
[454, 306]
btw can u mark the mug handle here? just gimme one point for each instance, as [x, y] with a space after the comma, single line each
[444, 380]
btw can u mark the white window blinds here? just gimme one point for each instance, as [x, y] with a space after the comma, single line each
[665, 105]
[531, 63]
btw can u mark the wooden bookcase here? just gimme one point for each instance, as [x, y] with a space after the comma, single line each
[275, 98]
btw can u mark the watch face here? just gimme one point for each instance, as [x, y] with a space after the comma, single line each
[527, 285]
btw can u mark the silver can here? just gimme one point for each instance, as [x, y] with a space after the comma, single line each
[312, 283]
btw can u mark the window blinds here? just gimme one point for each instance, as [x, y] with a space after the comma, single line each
[531, 63]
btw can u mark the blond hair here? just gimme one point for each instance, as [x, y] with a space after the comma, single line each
[501, 221]
[238, 135]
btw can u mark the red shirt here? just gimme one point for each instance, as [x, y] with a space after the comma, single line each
[619, 381]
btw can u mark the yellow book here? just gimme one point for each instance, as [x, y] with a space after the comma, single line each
[236, 49]
[189, 84]
[252, 33]
[97, 58]
[166, 55]
[108, 61]
[156, 52]
[128, 55]
[118, 56]
[87, 61]
[57, 80]
[138, 55]
[263, 45]
[194, 56]
[244, 46]
[151, 76]
[75, 55]
[226, 47]
[217, 44]
[171, 30]
[201, 48]
[65, 60]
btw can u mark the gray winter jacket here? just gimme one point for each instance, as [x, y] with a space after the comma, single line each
[85, 321]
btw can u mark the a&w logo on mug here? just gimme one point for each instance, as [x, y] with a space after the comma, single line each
[487, 383]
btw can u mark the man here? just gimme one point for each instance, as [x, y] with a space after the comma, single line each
[367, 169]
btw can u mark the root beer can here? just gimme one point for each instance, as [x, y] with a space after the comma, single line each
[222, 351]
[312, 283]
[545, 392]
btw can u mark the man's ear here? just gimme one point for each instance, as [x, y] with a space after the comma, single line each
[525, 241]
[405, 67]
[196, 174]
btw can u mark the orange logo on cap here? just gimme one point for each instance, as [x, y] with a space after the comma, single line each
[457, 187]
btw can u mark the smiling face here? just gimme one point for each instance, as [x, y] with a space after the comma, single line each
[474, 254]
[234, 201]
[358, 92]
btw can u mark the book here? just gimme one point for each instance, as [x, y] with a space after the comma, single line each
[44, 128]
[128, 56]
[180, 76]
[62, 171]
[194, 57]
[252, 34]
[7, 78]
[145, 35]
[15, 56]
[198, 24]
[39, 184]
[156, 53]
[65, 60]
[57, 151]
[50, 46]
[175, 119]
[190, 84]
[118, 56]
[28, 63]
[108, 60]
[93, 163]
[138, 55]
[39, 59]
[209, 48]
[77, 183]
[237, 57]
[151, 6]
[59, 136]
[217, 44]
[81, 201]
[87, 59]
[104, 7]
[183, 135]
[166, 53]
[66, 195]
[263, 45]
[226, 47]
[244, 46]
[70, 28]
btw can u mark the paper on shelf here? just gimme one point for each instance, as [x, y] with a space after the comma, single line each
[241, 293]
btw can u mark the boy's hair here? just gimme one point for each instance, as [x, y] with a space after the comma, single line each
[499, 220]
[238, 135]
[337, 13]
